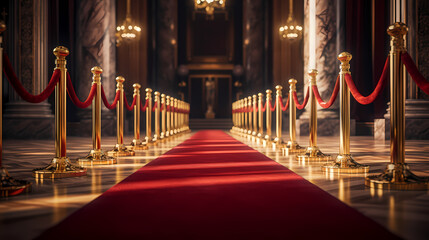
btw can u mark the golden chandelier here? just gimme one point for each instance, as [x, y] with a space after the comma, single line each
[209, 6]
[127, 30]
[291, 30]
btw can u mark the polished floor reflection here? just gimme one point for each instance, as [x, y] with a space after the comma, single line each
[49, 201]
[405, 213]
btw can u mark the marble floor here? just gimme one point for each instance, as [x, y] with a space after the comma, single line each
[405, 213]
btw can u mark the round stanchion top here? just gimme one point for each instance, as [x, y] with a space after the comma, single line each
[2, 27]
[254, 96]
[249, 98]
[313, 72]
[162, 95]
[344, 57]
[137, 86]
[268, 91]
[120, 79]
[148, 90]
[292, 81]
[61, 51]
[156, 93]
[96, 70]
[278, 87]
[167, 97]
[397, 29]
[260, 95]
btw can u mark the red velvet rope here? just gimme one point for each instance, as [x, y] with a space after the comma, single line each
[154, 106]
[130, 108]
[271, 107]
[414, 72]
[168, 108]
[304, 103]
[73, 97]
[106, 103]
[378, 89]
[334, 95]
[19, 88]
[264, 107]
[284, 107]
[144, 107]
[162, 107]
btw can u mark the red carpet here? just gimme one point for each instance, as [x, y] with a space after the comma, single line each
[215, 187]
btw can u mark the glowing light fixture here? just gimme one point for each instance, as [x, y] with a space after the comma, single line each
[291, 30]
[127, 30]
[209, 6]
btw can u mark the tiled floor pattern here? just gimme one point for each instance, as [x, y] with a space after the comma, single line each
[23, 217]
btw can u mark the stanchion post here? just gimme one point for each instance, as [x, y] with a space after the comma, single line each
[120, 150]
[168, 118]
[246, 112]
[137, 143]
[148, 98]
[96, 156]
[268, 115]
[163, 115]
[292, 145]
[172, 116]
[313, 152]
[255, 117]
[8, 185]
[344, 162]
[60, 166]
[239, 116]
[260, 118]
[176, 114]
[278, 141]
[157, 108]
[250, 116]
[397, 175]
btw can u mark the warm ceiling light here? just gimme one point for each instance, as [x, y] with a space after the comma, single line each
[291, 30]
[209, 6]
[127, 30]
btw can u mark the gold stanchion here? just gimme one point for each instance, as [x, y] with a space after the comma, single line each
[233, 117]
[120, 150]
[188, 109]
[250, 116]
[96, 156]
[167, 105]
[163, 115]
[60, 166]
[176, 114]
[246, 124]
[8, 185]
[148, 138]
[137, 143]
[268, 137]
[292, 145]
[239, 117]
[180, 104]
[344, 163]
[157, 108]
[255, 118]
[397, 175]
[260, 118]
[278, 141]
[172, 116]
[313, 152]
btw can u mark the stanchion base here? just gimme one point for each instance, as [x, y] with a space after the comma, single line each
[60, 167]
[345, 164]
[397, 177]
[137, 145]
[96, 157]
[267, 141]
[313, 154]
[278, 143]
[10, 186]
[120, 151]
[292, 148]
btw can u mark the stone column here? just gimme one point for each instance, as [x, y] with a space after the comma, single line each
[329, 42]
[27, 49]
[254, 47]
[95, 46]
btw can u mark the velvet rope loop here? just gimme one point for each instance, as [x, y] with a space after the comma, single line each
[272, 108]
[154, 106]
[304, 103]
[144, 107]
[414, 72]
[130, 108]
[378, 89]
[264, 107]
[286, 106]
[106, 103]
[19, 88]
[73, 97]
[334, 95]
